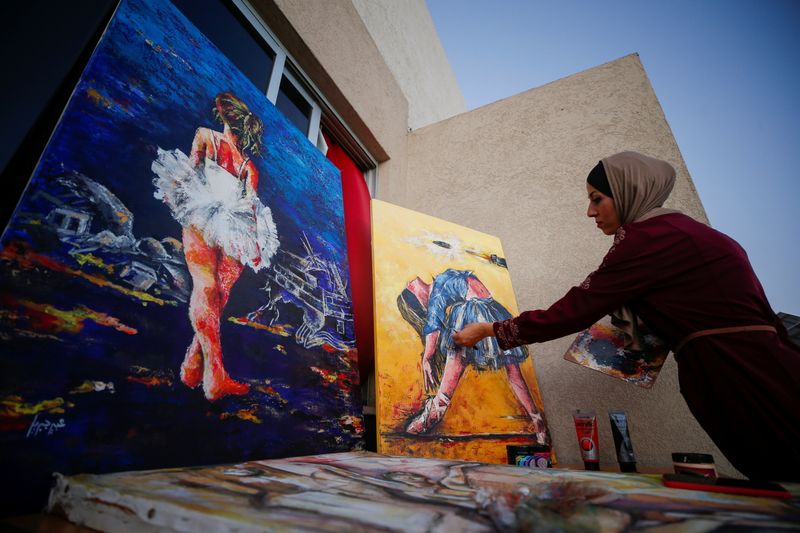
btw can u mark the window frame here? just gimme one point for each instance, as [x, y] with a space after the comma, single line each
[322, 113]
[281, 68]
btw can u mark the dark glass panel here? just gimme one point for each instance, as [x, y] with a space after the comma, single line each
[293, 105]
[232, 33]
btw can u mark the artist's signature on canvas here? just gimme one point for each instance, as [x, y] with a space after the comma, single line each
[45, 427]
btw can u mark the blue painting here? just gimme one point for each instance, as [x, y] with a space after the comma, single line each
[174, 287]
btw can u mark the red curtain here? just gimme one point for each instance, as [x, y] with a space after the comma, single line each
[359, 251]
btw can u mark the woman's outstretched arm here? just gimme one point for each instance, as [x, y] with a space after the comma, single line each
[473, 333]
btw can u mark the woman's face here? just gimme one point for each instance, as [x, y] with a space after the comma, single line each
[603, 211]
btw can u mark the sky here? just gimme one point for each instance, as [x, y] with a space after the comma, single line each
[726, 73]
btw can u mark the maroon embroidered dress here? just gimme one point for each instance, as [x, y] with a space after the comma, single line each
[680, 276]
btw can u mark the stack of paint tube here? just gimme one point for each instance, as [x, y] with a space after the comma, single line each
[586, 429]
[539, 455]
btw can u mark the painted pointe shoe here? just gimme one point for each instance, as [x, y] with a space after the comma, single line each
[431, 414]
[226, 386]
[217, 383]
[192, 370]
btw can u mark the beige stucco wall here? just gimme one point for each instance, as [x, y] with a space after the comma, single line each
[516, 169]
[404, 33]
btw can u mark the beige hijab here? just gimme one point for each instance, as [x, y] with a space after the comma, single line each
[640, 185]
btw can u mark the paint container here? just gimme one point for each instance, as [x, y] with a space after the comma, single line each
[698, 464]
[532, 456]
[622, 440]
[586, 429]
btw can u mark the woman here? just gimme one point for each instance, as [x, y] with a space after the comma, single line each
[694, 286]
[212, 193]
[437, 310]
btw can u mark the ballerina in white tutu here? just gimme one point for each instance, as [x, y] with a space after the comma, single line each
[212, 193]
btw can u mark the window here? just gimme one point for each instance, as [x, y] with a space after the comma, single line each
[293, 104]
[241, 34]
[225, 26]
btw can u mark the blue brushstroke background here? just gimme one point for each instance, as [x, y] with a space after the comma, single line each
[151, 83]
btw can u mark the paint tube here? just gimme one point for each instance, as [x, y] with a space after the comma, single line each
[622, 440]
[586, 429]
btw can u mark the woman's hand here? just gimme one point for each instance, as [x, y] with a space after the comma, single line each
[472, 334]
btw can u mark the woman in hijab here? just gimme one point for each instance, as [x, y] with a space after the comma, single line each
[695, 287]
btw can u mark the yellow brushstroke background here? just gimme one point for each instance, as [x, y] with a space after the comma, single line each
[15, 406]
[91, 259]
[483, 401]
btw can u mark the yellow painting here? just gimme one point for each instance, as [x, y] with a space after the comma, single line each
[434, 398]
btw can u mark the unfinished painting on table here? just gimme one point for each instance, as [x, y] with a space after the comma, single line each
[602, 348]
[436, 399]
[370, 492]
[174, 286]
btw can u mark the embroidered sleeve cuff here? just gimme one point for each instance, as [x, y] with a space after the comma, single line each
[507, 334]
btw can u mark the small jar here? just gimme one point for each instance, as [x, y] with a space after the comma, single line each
[532, 456]
[698, 464]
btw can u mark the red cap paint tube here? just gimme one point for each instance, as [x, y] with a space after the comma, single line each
[586, 429]
[622, 440]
